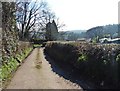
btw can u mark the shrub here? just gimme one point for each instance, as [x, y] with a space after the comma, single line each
[99, 63]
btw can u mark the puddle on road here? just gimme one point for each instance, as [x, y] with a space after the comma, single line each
[38, 62]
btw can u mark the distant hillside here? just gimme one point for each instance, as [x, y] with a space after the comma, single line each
[103, 31]
[77, 31]
[72, 34]
[98, 31]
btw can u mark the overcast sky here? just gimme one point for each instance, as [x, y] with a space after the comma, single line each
[84, 14]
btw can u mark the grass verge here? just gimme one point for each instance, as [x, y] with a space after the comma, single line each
[8, 69]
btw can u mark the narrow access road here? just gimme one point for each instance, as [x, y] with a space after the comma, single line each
[36, 73]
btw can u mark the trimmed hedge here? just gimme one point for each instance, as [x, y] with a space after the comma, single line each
[97, 63]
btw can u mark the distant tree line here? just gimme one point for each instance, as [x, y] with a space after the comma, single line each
[71, 35]
[108, 31]
[95, 33]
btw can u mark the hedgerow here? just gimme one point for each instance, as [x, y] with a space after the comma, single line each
[99, 63]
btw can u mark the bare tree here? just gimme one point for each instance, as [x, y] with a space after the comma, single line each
[27, 15]
[34, 15]
[59, 25]
[48, 16]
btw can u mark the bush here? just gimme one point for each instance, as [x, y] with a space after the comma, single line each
[98, 63]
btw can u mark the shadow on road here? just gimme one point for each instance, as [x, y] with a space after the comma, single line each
[68, 72]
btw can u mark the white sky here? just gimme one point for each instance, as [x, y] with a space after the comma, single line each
[85, 14]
